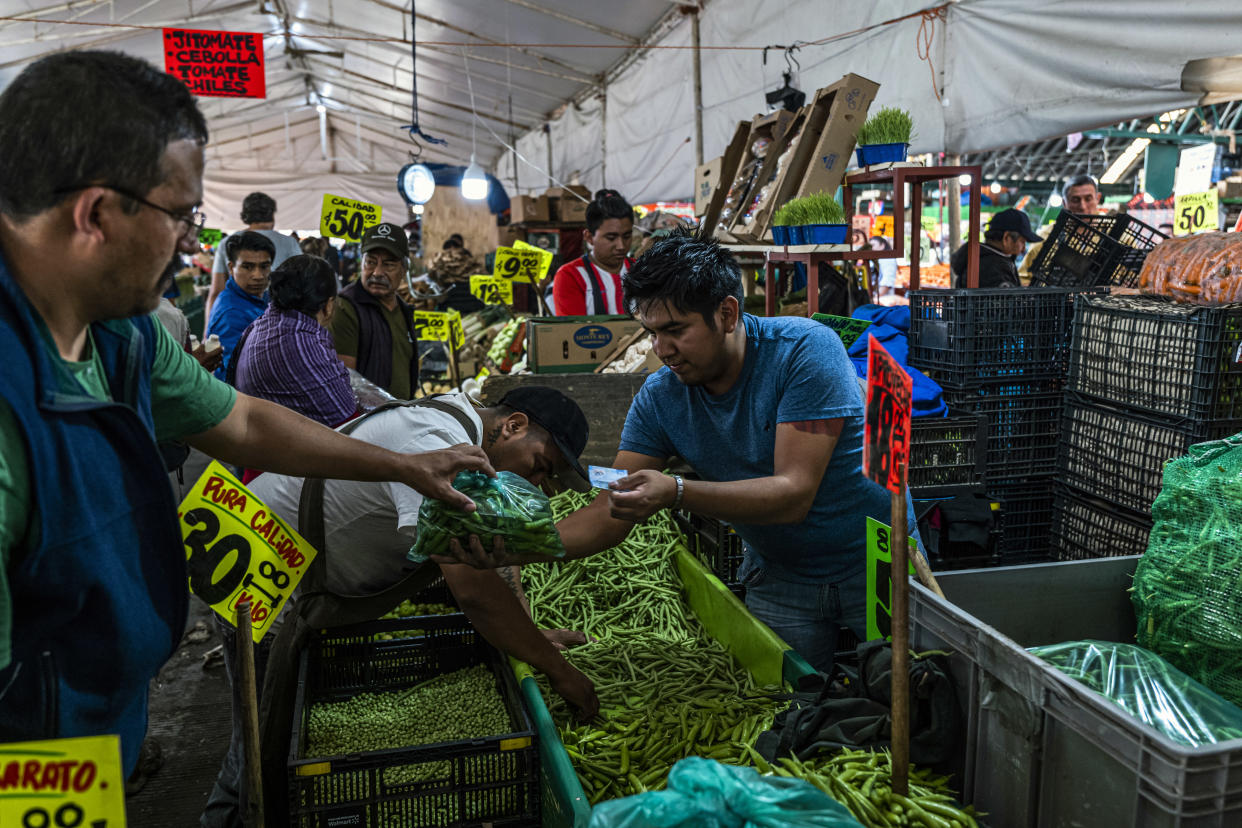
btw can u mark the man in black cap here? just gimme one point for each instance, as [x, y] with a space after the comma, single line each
[1004, 240]
[535, 432]
[372, 328]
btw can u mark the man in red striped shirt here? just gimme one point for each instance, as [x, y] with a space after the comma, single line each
[591, 285]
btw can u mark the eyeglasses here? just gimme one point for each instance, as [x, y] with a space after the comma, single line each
[193, 220]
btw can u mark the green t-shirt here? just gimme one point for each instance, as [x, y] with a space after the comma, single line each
[185, 400]
[344, 327]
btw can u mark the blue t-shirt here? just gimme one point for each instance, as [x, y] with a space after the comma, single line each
[232, 313]
[795, 369]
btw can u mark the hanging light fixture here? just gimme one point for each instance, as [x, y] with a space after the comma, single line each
[474, 183]
[416, 183]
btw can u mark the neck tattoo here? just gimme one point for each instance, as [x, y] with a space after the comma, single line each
[493, 435]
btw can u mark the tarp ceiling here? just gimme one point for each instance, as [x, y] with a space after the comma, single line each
[976, 74]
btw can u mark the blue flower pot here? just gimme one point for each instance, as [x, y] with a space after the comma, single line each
[825, 233]
[780, 234]
[869, 154]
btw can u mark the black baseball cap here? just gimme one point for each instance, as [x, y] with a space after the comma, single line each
[561, 417]
[387, 237]
[1013, 221]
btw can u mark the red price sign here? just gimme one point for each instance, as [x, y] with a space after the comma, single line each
[886, 437]
[216, 64]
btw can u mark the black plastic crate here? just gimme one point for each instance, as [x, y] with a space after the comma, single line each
[1146, 352]
[1025, 510]
[947, 451]
[492, 780]
[1023, 421]
[1118, 455]
[971, 336]
[1086, 251]
[717, 545]
[1086, 527]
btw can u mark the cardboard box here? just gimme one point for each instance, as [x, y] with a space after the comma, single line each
[1230, 188]
[573, 344]
[566, 207]
[849, 100]
[827, 106]
[524, 208]
[710, 217]
[706, 182]
[507, 235]
[781, 127]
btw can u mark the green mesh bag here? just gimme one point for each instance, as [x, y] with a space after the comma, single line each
[1188, 586]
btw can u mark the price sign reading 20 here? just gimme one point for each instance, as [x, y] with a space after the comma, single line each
[238, 550]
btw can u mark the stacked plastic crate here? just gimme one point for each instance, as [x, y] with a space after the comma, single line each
[1000, 354]
[1147, 379]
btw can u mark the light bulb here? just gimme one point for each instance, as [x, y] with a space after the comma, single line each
[474, 184]
[964, 179]
[996, 187]
[416, 183]
[418, 209]
[321, 109]
[1055, 200]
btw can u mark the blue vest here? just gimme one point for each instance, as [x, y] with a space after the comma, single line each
[98, 588]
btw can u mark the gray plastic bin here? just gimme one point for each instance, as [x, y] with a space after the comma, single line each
[1043, 751]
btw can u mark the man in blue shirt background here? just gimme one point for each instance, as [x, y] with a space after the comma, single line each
[244, 297]
[769, 413]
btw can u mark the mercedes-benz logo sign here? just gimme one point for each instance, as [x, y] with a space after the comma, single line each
[383, 230]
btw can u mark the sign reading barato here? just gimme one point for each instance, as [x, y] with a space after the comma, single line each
[216, 64]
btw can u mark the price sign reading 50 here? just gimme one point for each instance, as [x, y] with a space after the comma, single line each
[347, 218]
[62, 783]
[1196, 212]
[237, 549]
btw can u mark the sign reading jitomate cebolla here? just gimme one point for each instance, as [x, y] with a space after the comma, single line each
[216, 64]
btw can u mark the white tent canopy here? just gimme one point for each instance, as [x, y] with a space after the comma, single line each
[1005, 71]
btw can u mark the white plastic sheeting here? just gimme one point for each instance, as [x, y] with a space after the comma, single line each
[1009, 72]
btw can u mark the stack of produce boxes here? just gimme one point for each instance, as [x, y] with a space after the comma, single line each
[1148, 378]
[1000, 354]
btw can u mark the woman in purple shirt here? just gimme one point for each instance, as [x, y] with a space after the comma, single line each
[287, 356]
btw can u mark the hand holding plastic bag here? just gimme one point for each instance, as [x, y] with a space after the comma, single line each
[1149, 689]
[703, 793]
[507, 505]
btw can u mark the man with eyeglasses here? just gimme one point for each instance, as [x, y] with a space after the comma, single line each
[101, 167]
[372, 328]
[244, 298]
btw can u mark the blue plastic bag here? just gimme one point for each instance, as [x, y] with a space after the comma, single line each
[703, 793]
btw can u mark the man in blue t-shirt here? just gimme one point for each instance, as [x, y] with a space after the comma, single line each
[769, 413]
[244, 297]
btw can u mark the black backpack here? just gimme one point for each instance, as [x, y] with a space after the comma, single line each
[852, 710]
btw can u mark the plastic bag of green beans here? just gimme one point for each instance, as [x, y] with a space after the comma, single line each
[1149, 689]
[508, 505]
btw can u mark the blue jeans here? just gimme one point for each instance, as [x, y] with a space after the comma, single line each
[808, 616]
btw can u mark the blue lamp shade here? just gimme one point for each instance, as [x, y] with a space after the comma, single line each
[474, 184]
[416, 183]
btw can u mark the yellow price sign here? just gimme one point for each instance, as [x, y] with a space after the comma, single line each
[440, 326]
[347, 218]
[525, 264]
[1195, 212]
[69, 782]
[238, 549]
[492, 290]
[545, 256]
[882, 226]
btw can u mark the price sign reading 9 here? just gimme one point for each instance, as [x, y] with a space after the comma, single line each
[62, 783]
[237, 550]
[518, 265]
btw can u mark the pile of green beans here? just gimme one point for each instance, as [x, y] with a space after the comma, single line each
[660, 702]
[668, 690]
[462, 705]
[861, 780]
